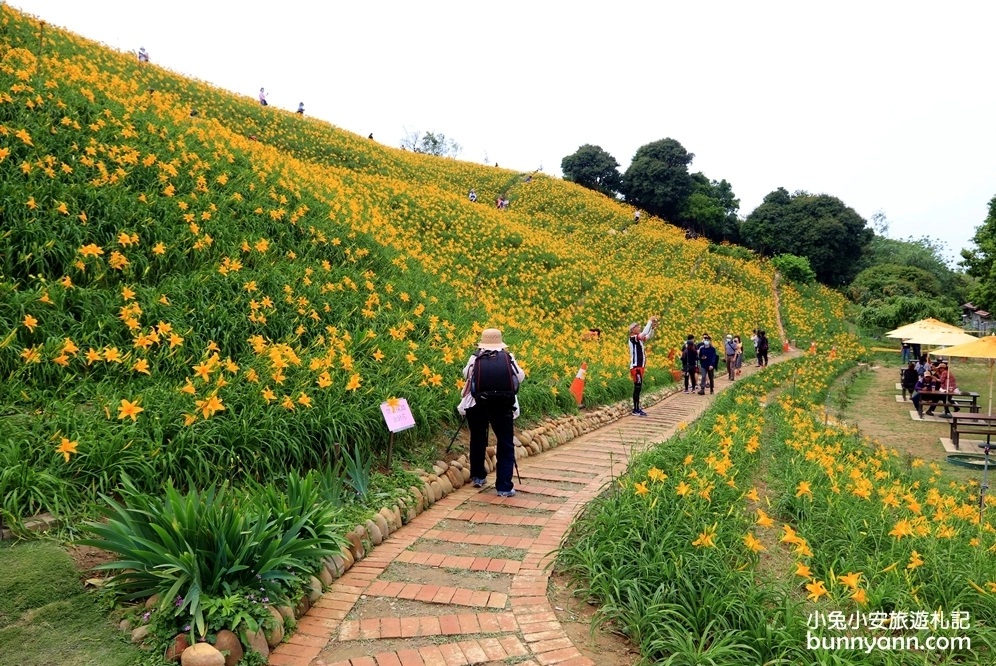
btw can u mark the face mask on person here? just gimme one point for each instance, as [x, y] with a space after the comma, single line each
[706, 342]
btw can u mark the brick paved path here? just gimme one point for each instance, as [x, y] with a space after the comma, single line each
[389, 608]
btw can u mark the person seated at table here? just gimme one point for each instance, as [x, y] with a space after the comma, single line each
[925, 383]
[909, 380]
[922, 366]
[947, 384]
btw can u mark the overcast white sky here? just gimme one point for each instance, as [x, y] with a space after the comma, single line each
[887, 105]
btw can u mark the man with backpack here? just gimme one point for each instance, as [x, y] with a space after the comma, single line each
[489, 399]
[762, 349]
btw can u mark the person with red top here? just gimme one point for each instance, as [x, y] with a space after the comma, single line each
[946, 383]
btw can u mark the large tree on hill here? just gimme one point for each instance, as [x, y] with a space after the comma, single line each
[594, 168]
[980, 261]
[711, 209]
[658, 181]
[430, 143]
[816, 226]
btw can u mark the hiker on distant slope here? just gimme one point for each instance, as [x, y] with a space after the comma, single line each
[489, 398]
[300, 108]
[262, 97]
[638, 359]
[143, 55]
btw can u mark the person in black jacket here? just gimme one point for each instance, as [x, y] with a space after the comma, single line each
[708, 358]
[689, 363]
[910, 378]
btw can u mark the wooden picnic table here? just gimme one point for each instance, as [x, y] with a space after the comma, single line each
[933, 399]
[972, 424]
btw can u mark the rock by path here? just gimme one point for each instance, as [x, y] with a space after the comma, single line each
[465, 582]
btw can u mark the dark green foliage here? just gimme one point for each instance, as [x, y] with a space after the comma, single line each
[594, 168]
[894, 311]
[819, 227]
[794, 268]
[213, 544]
[980, 261]
[657, 180]
[711, 209]
[884, 280]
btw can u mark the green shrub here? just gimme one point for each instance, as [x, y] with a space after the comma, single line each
[796, 269]
[208, 545]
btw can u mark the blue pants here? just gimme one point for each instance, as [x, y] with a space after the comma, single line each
[499, 417]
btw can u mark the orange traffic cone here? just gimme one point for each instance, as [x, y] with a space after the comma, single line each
[577, 386]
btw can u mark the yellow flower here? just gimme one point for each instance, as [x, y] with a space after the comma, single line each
[91, 250]
[816, 590]
[378, 355]
[127, 294]
[860, 596]
[159, 248]
[915, 561]
[303, 399]
[189, 419]
[112, 355]
[354, 383]
[763, 519]
[188, 388]
[209, 406]
[752, 495]
[901, 529]
[30, 323]
[324, 380]
[752, 543]
[92, 356]
[641, 488]
[393, 403]
[705, 538]
[129, 409]
[656, 475]
[141, 365]
[23, 135]
[802, 570]
[287, 403]
[268, 394]
[174, 340]
[683, 489]
[803, 489]
[851, 580]
[67, 447]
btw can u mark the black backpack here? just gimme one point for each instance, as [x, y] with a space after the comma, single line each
[493, 379]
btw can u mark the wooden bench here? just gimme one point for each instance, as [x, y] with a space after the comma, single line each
[934, 399]
[972, 424]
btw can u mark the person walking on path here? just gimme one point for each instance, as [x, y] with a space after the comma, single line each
[762, 349]
[755, 340]
[638, 359]
[708, 359]
[489, 399]
[262, 97]
[739, 361]
[689, 363]
[730, 347]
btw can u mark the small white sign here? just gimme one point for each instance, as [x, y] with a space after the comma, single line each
[397, 414]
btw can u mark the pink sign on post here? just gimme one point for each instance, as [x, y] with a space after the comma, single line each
[397, 414]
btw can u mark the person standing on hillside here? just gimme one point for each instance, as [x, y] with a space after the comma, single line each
[143, 55]
[489, 399]
[739, 360]
[262, 97]
[300, 108]
[689, 363]
[730, 347]
[638, 359]
[708, 359]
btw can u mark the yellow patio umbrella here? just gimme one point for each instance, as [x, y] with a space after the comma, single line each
[928, 324]
[978, 348]
[941, 338]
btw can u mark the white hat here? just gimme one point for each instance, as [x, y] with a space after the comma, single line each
[491, 339]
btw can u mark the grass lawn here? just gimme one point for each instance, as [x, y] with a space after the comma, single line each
[47, 618]
[873, 408]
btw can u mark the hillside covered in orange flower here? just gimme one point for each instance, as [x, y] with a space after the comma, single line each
[222, 294]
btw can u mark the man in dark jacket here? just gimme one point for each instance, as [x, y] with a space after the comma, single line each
[708, 358]
[689, 363]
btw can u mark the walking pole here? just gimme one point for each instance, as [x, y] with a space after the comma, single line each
[515, 463]
[456, 433]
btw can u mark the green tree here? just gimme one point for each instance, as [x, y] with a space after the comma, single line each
[831, 235]
[894, 311]
[657, 180]
[884, 280]
[431, 143]
[711, 209]
[594, 168]
[980, 261]
[796, 269]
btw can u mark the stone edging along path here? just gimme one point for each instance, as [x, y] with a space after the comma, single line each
[465, 580]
